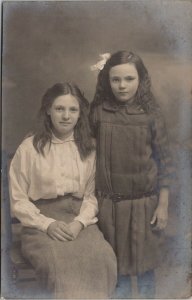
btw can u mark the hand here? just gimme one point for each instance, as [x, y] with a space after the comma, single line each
[160, 217]
[59, 230]
[75, 227]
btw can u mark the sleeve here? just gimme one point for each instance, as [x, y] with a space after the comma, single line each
[161, 151]
[19, 181]
[93, 120]
[89, 207]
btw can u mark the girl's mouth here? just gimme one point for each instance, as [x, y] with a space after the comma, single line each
[64, 123]
[123, 93]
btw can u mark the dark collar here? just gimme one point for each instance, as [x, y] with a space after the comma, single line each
[130, 109]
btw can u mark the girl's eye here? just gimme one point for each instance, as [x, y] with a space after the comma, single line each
[130, 78]
[59, 108]
[74, 109]
[115, 79]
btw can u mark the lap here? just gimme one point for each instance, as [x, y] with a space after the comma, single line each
[90, 244]
[84, 268]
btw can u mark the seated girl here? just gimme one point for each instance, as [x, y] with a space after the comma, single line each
[52, 183]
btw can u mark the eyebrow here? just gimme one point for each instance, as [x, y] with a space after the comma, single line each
[60, 105]
[127, 76]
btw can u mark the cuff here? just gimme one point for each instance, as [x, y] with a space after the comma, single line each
[43, 227]
[85, 221]
[164, 182]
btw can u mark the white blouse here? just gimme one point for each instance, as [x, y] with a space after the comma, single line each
[33, 176]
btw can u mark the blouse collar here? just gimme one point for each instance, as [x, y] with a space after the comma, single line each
[130, 109]
[56, 140]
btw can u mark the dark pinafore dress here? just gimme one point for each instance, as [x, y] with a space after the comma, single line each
[133, 163]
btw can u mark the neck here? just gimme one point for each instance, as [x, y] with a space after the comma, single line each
[62, 137]
[128, 102]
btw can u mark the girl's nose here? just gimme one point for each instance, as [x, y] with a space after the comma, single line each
[122, 84]
[65, 115]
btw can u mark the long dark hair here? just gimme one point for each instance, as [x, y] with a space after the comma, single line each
[82, 135]
[143, 97]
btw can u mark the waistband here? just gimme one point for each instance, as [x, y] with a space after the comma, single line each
[117, 197]
[59, 198]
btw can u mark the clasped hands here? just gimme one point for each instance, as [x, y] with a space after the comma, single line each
[62, 231]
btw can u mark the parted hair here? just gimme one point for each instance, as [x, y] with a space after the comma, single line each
[43, 131]
[143, 97]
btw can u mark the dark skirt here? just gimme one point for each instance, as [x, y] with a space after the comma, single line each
[126, 226]
[81, 269]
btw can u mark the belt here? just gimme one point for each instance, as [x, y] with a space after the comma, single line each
[117, 197]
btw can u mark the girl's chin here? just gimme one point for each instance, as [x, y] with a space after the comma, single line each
[128, 100]
[62, 134]
[123, 100]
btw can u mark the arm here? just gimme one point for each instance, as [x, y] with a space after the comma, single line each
[162, 157]
[28, 214]
[161, 151]
[89, 207]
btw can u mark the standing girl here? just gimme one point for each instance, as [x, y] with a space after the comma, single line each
[133, 169]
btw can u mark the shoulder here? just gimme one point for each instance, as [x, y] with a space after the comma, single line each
[156, 115]
[25, 153]
[26, 147]
[27, 143]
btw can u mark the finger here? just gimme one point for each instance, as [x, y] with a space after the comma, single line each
[62, 223]
[59, 237]
[53, 237]
[63, 231]
[153, 219]
[161, 224]
[64, 234]
[66, 230]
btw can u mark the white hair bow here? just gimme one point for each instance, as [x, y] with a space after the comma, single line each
[100, 64]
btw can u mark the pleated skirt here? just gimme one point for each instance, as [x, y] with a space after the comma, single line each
[126, 226]
[81, 269]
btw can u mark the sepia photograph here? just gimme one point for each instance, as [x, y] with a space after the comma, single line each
[96, 152]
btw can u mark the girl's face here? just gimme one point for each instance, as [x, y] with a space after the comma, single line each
[64, 114]
[124, 81]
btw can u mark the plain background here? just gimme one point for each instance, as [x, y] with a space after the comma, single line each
[49, 42]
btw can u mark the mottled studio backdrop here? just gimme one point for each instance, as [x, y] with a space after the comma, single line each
[49, 42]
